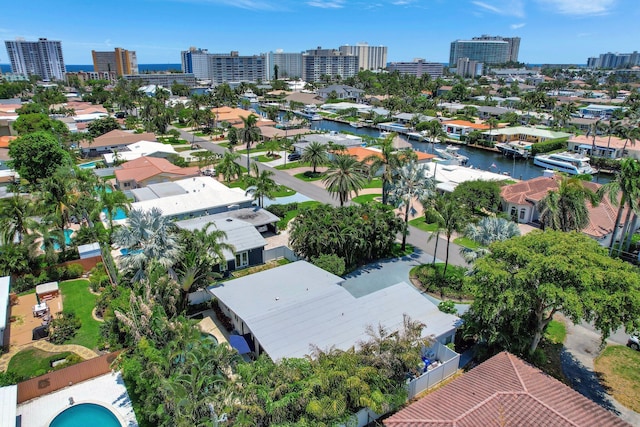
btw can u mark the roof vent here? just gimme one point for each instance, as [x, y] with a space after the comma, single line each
[229, 220]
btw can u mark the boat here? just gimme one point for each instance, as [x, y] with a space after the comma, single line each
[250, 96]
[416, 135]
[568, 162]
[356, 124]
[451, 154]
[517, 149]
[310, 112]
[384, 134]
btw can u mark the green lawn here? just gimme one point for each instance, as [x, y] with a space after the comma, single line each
[421, 224]
[367, 198]
[304, 176]
[397, 251]
[181, 149]
[293, 165]
[282, 224]
[467, 243]
[77, 298]
[180, 125]
[556, 332]
[620, 368]
[374, 183]
[282, 191]
[32, 362]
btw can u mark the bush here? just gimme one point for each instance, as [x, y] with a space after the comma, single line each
[550, 145]
[331, 263]
[281, 210]
[64, 327]
[451, 286]
[448, 307]
[74, 271]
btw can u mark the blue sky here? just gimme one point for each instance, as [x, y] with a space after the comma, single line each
[552, 31]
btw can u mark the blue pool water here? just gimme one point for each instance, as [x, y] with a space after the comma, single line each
[125, 251]
[89, 165]
[107, 189]
[67, 240]
[86, 414]
[120, 214]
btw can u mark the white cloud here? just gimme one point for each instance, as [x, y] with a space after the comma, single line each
[516, 26]
[580, 7]
[502, 7]
[330, 4]
[242, 4]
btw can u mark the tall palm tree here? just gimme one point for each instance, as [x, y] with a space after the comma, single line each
[261, 185]
[15, 217]
[111, 201]
[148, 237]
[565, 209]
[491, 229]
[384, 164]
[250, 133]
[412, 184]
[228, 167]
[345, 175]
[624, 192]
[316, 154]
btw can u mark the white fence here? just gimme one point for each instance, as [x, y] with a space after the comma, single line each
[449, 361]
[279, 252]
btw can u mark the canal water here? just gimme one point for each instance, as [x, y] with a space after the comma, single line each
[478, 158]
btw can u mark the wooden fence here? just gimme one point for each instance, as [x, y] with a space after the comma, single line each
[56, 380]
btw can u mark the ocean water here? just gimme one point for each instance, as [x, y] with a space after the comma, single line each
[6, 68]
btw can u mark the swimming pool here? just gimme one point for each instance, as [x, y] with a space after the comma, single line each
[67, 240]
[120, 214]
[89, 165]
[86, 414]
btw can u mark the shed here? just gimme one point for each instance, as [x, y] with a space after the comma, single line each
[89, 250]
[47, 290]
[5, 284]
[8, 405]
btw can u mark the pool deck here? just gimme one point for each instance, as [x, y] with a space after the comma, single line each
[212, 326]
[107, 390]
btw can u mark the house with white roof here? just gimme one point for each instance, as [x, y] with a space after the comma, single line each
[524, 134]
[286, 311]
[600, 111]
[140, 149]
[334, 137]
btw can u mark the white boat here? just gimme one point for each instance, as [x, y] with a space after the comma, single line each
[451, 154]
[310, 112]
[384, 134]
[250, 96]
[417, 135]
[568, 162]
[356, 124]
[515, 148]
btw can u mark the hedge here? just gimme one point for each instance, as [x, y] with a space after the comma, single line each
[547, 146]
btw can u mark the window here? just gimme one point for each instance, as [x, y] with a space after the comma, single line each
[242, 259]
[223, 266]
[522, 212]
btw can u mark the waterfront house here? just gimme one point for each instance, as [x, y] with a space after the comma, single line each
[599, 111]
[332, 137]
[456, 129]
[607, 146]
[524, 134]
[116, 140]
[341, 92]
[151, 170]
[504, 391]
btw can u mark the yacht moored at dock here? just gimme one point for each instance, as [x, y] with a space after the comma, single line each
[310, 112]
[515, 148]
[451, 154]
[568, 162]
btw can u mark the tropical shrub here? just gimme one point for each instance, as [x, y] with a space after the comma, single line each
[453, 285]
[549, 145]
[64, 327]
[331, 263]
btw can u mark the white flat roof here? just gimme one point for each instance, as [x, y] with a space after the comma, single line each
[294, 307]
[8, 405]
[449, 176]
[47, 287]
[5, 285]
[200, 193]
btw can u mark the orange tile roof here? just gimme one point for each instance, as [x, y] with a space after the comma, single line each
[601, 218]
[5, 140]
[146, 167]
[504, 390]
[118, 137]
[601, 141]
[479, 126]
[361, 153]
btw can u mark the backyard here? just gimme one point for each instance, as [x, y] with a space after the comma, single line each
[32, 362]
[77, 298]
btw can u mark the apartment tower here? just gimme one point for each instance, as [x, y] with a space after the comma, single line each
[120, 61]
[42, 58]
[369, 57]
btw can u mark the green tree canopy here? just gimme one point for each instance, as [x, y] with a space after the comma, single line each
[101, 126]
[37, 155]
[27, 123]
[525, 280]
[479, 194]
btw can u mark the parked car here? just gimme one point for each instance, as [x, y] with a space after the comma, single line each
[294, 156]
[209, 172]
[634, 342]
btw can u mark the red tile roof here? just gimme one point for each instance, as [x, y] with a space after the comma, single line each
[146, 167]
[504, 391]
[602, 218]
[118, 137]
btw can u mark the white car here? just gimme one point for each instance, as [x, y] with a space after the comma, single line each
[634, 342]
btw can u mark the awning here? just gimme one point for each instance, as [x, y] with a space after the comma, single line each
[239, 343]
[589, 147]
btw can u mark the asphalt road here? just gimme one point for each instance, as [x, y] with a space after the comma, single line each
[417, 237]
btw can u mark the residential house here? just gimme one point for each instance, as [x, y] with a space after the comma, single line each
[457, 129]
[605, 146]
[599, 111]
[504, 391]
[341, 92]
[406, 118]
[332, 137]
[523, 133]
[151, 170]
[488, 112]
[234, 117]
[296, 306]
[361, 153]
[190, 198]
[521, 200]
[248, 244]
[140, 149]
[116, 140]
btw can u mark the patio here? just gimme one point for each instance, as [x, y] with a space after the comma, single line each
[20, 329]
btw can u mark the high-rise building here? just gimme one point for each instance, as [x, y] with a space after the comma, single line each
[614, 60]
[42, 58]
[289, 64]
[485, 49]
[319, 62]
[196, 61]
[369, 57]
[468, 68]
[231, 67]
[120, 61]
[418, 67]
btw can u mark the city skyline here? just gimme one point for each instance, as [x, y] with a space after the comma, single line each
[552, 31]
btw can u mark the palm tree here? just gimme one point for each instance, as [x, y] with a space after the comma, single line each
[412, 183]
[449, 211]
[344, 176]
[566, 208]
[148, 237]
[261, 185]
[384, 164]
[111, 201]
[250, 133]
[316, 154]
[626, 188]
[491, 229]
[15, 217]
[228, 167]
